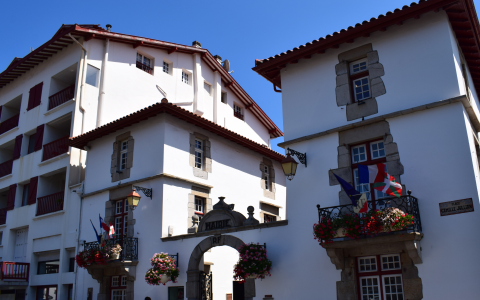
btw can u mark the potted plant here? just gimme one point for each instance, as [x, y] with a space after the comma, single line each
[114, 251]
[394, 219]
[89, 257]
[253, 263]
[163, 269]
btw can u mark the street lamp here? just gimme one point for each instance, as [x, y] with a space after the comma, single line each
[133, 198]
[289, 165]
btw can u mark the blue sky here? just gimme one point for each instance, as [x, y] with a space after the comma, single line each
[240, 31]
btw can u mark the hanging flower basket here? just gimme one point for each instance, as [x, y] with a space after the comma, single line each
[355, 225]
[163, 269]
[253, 263]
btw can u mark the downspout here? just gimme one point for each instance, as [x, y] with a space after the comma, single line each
[101, 97]
[82, 110]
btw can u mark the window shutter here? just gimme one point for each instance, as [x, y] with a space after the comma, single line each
[130, 153]
[38, 94]
[11, 197]
[39, 137]
[18, 147]
[31, 98]
[1, 111]
[113, 165]
[32, 192]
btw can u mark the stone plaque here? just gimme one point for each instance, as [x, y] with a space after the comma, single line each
[456, 207]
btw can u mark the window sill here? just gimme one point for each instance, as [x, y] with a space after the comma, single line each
[6, 177]
[3, 226]
[10, 131]
[61, 156]
[57, 108]
[270, 203]
[60, 212]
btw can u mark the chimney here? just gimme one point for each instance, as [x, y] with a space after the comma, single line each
[109, 27]
[219, 58]
[196, 44]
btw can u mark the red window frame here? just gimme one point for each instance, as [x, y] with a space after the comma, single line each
[120, 286]
[378, 273]
[369, 161]
[123, 215]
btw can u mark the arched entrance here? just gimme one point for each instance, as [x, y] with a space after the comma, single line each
[193, 272]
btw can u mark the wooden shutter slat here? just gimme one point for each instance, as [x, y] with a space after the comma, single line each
[11, 197]
[31, 98]
[38, 94]
[18, 147]
[32, 192]
[39, 137]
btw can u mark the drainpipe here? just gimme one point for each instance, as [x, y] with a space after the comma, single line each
[83, 66]
[101, 97]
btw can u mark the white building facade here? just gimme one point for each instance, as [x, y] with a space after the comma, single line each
[83, 78]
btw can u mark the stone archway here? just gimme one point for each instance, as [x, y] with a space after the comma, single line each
[193, 272]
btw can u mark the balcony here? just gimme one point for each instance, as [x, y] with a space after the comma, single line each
[129, 247]
[3, 215]
[50, 203]
[9, 124]
[145, 68]
[6, 168]
[55, 148]
[15, 271]
[238, 114]
[61, 97]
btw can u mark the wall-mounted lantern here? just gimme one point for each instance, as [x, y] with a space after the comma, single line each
[133, 198]
[289, 165]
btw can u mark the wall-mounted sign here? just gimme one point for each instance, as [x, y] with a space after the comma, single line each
[220, 224]
[456, 207]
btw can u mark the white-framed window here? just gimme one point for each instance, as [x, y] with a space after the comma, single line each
[125, 224]
[367, 264]
[115, 281]
[390, 262]
[358, 66]
[119, 294]
[119, 225]
[238, 111]
[124, 281]
[185, 77]
[123, 155]
[361, 88]
[198, 153]
[126, 205]
[266, 177]
[144, 60]
[199, 204]
[119, 207]
[369, 288]
[359, 154]
[377, 149]
[361, 187]
[166, 67]
[208, 87]
[392, 287]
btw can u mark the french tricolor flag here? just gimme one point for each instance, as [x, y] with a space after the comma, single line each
[381, 180]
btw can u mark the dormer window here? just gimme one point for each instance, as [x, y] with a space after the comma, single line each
[144, 63]
[165, 67]
[237, 111]
[360, 80]
[185, 77]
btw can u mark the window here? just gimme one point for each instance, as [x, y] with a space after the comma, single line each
[176, 293]
[121, 217]
[269, 218]
[380, 277]
[185, 77]
[123, 155]
[266, 177]
[144, 63]
[35, 96]
[224, 97]
[368, 153]
[26, 188]
[118, 287]
[48, 267]
[71, 264]
[237, 111]
[166, 67]
[360, 80]
[119, 294]
[199, 205]
[31, 144]
[208, 87]
[124, 281]
[47, 292]
[198, 153]
[92, 75]
[115, 281]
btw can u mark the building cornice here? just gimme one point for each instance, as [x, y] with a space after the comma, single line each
[463, 99]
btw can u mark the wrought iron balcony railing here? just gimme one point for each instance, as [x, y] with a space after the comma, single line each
[408, 204]
[129, 246]
[15, 271]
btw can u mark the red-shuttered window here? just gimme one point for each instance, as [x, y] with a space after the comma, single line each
[121, 217]
[118, 287]
[11, 197]
[39, 137]
[32, 190]
[35, 96]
